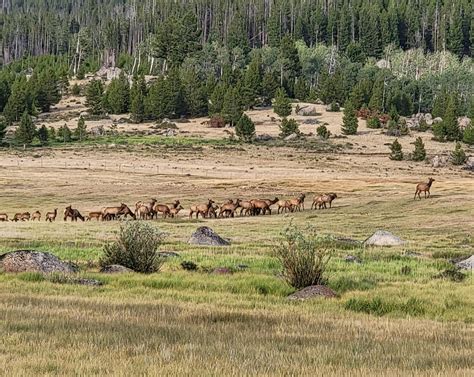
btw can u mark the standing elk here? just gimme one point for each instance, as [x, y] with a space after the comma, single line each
[142, 212]
[36, 216]
[228, 209]
[174, 211]
[423, 187]
[321, 201]
[72, 213]
[3, 217]
[298, 203]
[25, 216]
[51, 216]
[202, 209]
[263, 206]
[247, 206]
[163, 209]
[284, 205]
[94, 215]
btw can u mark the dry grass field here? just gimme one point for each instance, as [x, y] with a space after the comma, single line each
[197, 323]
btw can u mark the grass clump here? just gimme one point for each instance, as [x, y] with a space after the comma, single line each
[136, 247]
[303, 258]
[380, 307]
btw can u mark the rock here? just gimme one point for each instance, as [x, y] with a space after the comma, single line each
[466, 264]
[205, 236]
[437, 120]
[168, 254]
[470, 163]
[438, 161]
[353, 259]
[383, 64]
[264, 137]
[383, 238]
[222, 271]
[464, 122]
[109, 73]
[291, 137]
[428, 117]
[307, 111]
[115, 269]
[312, 291]
[84, 114]
[33, 261]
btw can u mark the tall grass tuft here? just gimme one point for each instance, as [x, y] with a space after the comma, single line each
[136, 247]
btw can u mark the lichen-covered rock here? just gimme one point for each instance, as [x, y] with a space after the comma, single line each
[33, 261]
[313, 291]
[383, 238]
[115, 269]
[466, 264]
[205, 236]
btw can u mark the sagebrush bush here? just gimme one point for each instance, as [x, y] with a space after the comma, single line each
[136, 247]
[374, 122]
[303, 258]
[323, 132]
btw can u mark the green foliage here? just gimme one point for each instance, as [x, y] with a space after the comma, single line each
[43, 135]
[80, 133]
[458, 156]
[270, 85]
[349, 120]
[19, 101]
[26, 131]
[216, 100]
[46, 89]
[51, 134]
[117, 96]
[468, 135]
[95, 97]
[419, 153]
[380, 307]
[76, 90]
[231, 108]
[64, 134]
[334, 107]
[288, 127]
[374, 122]
[302, 257]
[136, 247]
[245, 129]
[402, 102]
[138, 95]
[282, 104]
[396, 152]
[301, 90]
[323, 132]
[3, 129]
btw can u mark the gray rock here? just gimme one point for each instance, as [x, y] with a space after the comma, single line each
[466, 264]
[115, 269]
[383, 238]
[34, 261]
[312, 291]
[353, 259]
[470, 163]
[264, 137]
[291, 137]
[439, 161]
[437, 120]
[205, 236]
[168, 254]
[464, 122]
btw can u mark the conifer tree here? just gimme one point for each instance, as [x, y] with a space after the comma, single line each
[43, 135]
[468, 134]
[419, 153]
[282, 104]
[349, 120]
[216, 100]
[450, 121]
[95, 97]
[270, 86]
[245, 129]
[26, 131]
[455, 35]
[51, 133]
[46, 89]
[301, 90]
[81, 130]
[3, 129]
[396, 152]
[195, 95]
[117, 96]
[64, 134]
[458, 156]
[288, 127]
[377, 98]
[19, 101]
[137, 99]
[231, 110]
[253, 78]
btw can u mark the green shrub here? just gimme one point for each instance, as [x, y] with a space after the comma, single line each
[31, 276]
[419, 153]
[458, 156]
[288, 127]
[374, 122]
[468, 135]
[396, 152]
[323, 132]
[136, 247]
[334, 107]
[376, 306]
[452, 273]
[76, 90]
[302, 257]
[189, 266]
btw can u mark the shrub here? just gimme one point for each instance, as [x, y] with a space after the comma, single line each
[423, 126]
[189, 266]
[468, 135]
[76, 90]
[396, 152]
[288, 127]
[245, 129]
[452, 273]
[349, 120]
[458, 156]
[136, 247]
[334, 107]
[303, 259]
[374, 122]
[323, 132]
[419, 153]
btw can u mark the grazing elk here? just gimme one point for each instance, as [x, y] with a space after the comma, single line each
[72, 213]
[202, 209]
[51, 216]
[423, 187]
[142, 212]
[126, 211]
[3, 217]
[94, 215]
[174, 211]
[36, 216]
[25, 216]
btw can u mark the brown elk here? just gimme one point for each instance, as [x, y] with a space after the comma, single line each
[163, 209]
[423, 187]
[94, 215]
[25, 216]
[263, 205]
[284, 205]
[112, 213]
[3, 217]
[36, 216]
[126, 211]
[51, 216]
[72, 213]
[142, 212]
[247, 206]
[202, 209]
[321, 201]
[174, 211]
[298, 203]
[228, 209]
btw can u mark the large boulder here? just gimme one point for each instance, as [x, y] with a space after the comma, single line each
[33, 261]
[466, 264]
[383, 238]
[313, 291]
[207, 237]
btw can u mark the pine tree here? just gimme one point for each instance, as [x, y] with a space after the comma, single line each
[76, 90]
[253, 78]
[282, 105]
[450, 121]
[455, 34]
[419, 153]
[51, 133]
[396, 151]
[231, 110]
[3, 129]
[439, 104]
[245, 129]
[19, 101]
[65, 134]
[270, 86]
[349, 120]
[216, 100]
[43, 135]
[458, 156]
[344, 28]
[26, 131]
[95, 97]
[370, 32]
[468, 135]
[376, 100]
[195, 94]
[301, 90]
[46, 89]
[137, 99]
[117, 96]
[81, 130]
[289, 127]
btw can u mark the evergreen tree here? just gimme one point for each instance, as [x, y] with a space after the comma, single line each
[231, 110]
[458, 156]
[288, 127]
[282, 105]
[270, 86]
[374, 122]
[419, 153]
[455, 34]
[440, 103]
[137, 100]
[396, 152]
[253, 79]
[468, 135]
[377, 98]
[81, 130]
[19, 101]
[195, 94]
[51, 134]
[95, 97]
[402, 102]
[216, 100]
[4, 92]
[245, 129]
[361, 93]
[349, 120]
[26, 131]
[65, 134]
[355, 53]
[117, 96]
[3, 129]
[301, 90]
[237, 36]
[43, 135]
[76, 90]
[450, 121]
[344, 28]
[370, 32]
[46, 89]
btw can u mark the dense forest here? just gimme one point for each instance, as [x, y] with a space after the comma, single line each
[220, 57]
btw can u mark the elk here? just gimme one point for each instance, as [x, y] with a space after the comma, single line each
[150, 205]
[111, 213]
[36, 216]
[321, 201]
[142, 212]
[126, 211]
[72, 213]
[25, 216]
[3, 217]
[51, 216]
[162, 208]
[202, 209]
[423, 187]
[174, 211]
[297, 203]
[263, 205]
[228, 209]
[246, 206]
[94, 215]
[284, 205]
